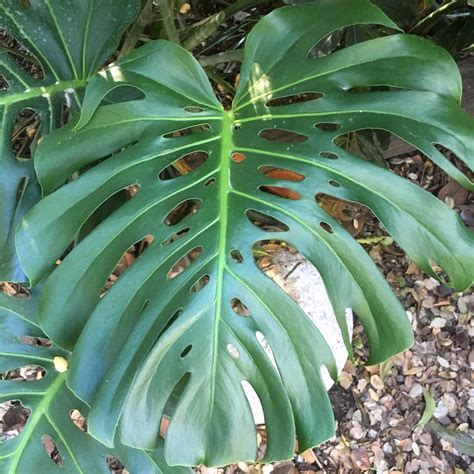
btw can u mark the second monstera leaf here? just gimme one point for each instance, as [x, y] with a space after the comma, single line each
[151, 332]
[54, 410]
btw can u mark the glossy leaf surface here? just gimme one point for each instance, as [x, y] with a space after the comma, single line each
[51, 403]
[150, 329]
[69, 41]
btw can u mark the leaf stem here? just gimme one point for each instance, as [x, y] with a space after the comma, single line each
[210, 26]
[428, 21]
[166, 8]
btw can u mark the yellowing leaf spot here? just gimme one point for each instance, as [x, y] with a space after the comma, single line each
[60, 364]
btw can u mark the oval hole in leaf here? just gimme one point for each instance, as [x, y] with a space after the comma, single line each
[172, 402]
[285, 193]
[329, 154]
[181, 211]
[184, 165]
[51, 449]
[78, 419]
[233, 351]
[184, 262]
[193, 109]
[266, 347]
[237, 157]
[176, 236]
[254, 403]
[171, 320]
[4, 85]
[186, 351]
[210, 182]
[327, 227]
[200, 284]
[114, 464]
[293, 99]
[282, 136]
[36, 341]
[335, 183]
[239, 307]
[236, 256]
[26, 133]
[14, 418]
[265, 222]
[27, 373]
[188, 131]
[328, 126]
[22, 56]
[280, 173]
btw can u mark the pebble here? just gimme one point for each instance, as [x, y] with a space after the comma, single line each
[442, 361]
[415, 391]
[438, 323]
[441, 411]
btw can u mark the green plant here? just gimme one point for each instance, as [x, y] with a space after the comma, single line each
[56, 414]
[67, 42]
[159, 342]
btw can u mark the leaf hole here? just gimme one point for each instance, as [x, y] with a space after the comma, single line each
[282, 136]
[51, 449]
[78, 419]
[176, 236]
[171, 320]
[36, 341]
[184, 262]
[237, 157]
[293, 99]
[280, 173]
[236, 256]
[254, 403]
[265, 222]
[26, 133]
[4, 85]
[171, 404]
[188, 131]
[186, 351]
[233, 351]
[200, 284]
[181, 211]
[115, 465]
[239, 307]
[285, 193]
[14, 419]
[210, 182]
[335, 183]
[328, 126]
[267, 348]
[329, 154]
[192, 109]
[326, 227]
[184, 165]
[27, 373]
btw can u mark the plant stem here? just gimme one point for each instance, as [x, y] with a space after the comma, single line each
[231, 55]
[166, 8]
[427, 22]
[206, 29]
[145, 17]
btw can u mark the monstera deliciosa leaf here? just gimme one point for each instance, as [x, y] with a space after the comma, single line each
[51, 404]
[151, 333]
[70, 40]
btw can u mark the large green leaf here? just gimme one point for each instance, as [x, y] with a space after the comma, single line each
[138, 350]
[51, 403]
[70, 40]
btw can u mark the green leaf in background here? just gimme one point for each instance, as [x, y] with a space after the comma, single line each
[70, 40]
[51, 404]
[158, 328]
